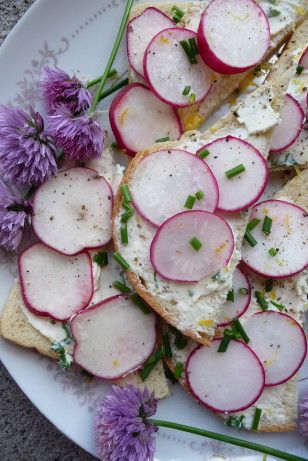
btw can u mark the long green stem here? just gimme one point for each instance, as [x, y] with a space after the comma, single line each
[228, 439]
[114, 88]
[112, 56]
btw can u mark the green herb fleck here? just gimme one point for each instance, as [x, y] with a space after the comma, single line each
[280, 307]
[273, 251]
[101, 258]
[120, 260]
[192, 98]
[190, 201]
[237, 422]
[127, 215]
[230, 296]
[269, 283]
[69, 337]
[62, 362]
[243, 291]
[190, 293]
[180, 341]
[199, 195]
[223, 346]
[112, 73]
[114, 145]
[121, 287]
[240, 330]
[261, 300]
[267, 225]
[186, 90]
[127, 196]
[250, 238]
[179, 368]
[195, 243]
[163, 139]
[204, 153]
[299, 69]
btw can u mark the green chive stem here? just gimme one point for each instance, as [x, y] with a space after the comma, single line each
[299, 69]
[120, 260]
[223, 346]
[280, 307]
[140, 303]
[190, 201]
[113, 88]
[267, 225]
[127, 196]
[167, 138]
[195, 243]
[261, 300]
[256, 419]
[235, 171]
[253, 223]
[101, 258]
[273, 251]
[179, 368]
[186, 90]
[199, 195]
[124, 234]
[239, 328]
[250, 238]
[167, 347]
[193, 46]
[243, 291]
[121, 287]
[230, 296]
[204, 153]
[188, 51]
[269, 283]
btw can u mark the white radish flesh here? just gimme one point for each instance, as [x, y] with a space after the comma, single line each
[173, 255]
[279, 342]
[303, 62]
[138, 119]
[233, 36]
[140, 31]
[239, 298]
[168, 70]
[72, 211]
[164, 179]
[244, 189]
[292, 121]
[284, 252]
[55, 285]
[225, 381]
[113, 337]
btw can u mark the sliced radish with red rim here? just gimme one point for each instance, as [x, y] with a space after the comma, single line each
[292, 121]
[279, 342]
[227, 381]
[140, 31]
[241, 190]
[169, 71]
[191, 245]
[233, 36]
[238, 299]
[163, 180]
[283, 251]
[55, 285]
[303, 62]
[113, 337]
[72, 211]
[138, 119]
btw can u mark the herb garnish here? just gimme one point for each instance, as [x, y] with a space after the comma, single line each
[204, 153]
[178, 14]
[167, 138]
[240, 330]
[235, 171]
[280, 307]
[273, 251]
[151, 363]
[243, 291]
[237, 422]
[62, 362]
[267, 225]
[120, 260]
[269, 283]
[179, 368]
[273, 12]
[256, 419]
[230, 296]
[101, 258]
[253, 223]
[167, 347]
[186, 90]
[261, 300]
[190, 201]
[191, 49]
[299, 69]
[199, 195]
[195, 243]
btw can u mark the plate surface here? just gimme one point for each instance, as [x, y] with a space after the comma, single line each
[77, 36]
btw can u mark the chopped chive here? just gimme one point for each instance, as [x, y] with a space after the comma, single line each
[267, 225]
[273, 12]
[151, 363]
[235, 171]
[127, 206]
[253, 223]
[127, 215]
[188, 51]
[163, 139]
[180, 13]
[192, 98]
[230, 296]
[120, 260]
[261, 300]
[112, 73]
[121, 287]
[299, 69]
[140, 303]
[190, 201]
[223, 346]
[193, 45]
[273, 251]
[127, 196]
[195, 243]
[186, 90]
[250, 239]
[179, 367]
[167, 347]
[199, 195]
[204, 153]
[114, 145]
[243, 291]
[269, 283]
[101, 258]
[237, 422]
[256, 419]
[124, 234]
[180, 341]
[280, 307]
[239, 328]
[176, 19]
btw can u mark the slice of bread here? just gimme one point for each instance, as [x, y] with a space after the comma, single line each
[278, 403]
[15, 327]
[224, 85]
[196, 316]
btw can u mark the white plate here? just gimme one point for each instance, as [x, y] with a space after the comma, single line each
[77, 36]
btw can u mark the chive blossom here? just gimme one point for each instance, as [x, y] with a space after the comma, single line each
[243, 291]
[250, 238]
[124, 234]
[261, 300]
[230, 296]
[120, 260]
[273, 251]
[179, 368]
[240, 330]
[121, 287]
[163, 139]
[204, 153]
[199, 195]
[195, 243]
[269, 283]
[253, 223]
[256, 419]
[267, 225]
[235, 171]
[127, 196]
[101, 258]
[190, 201]
[186, 90]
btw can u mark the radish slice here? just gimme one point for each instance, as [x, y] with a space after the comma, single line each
[303, 62]
[72, 211]
[239, 299]
[244, 189]
[138, 119]
[140, 31]
[233, 36]
[292, 121]
[174, 256]
[55, 285]
[163, 180]
[225, 382]
[279, 342]
[288, 237]
[168, 70]
[113, 337]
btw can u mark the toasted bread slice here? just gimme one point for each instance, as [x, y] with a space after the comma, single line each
[278, 403]
[196, 316]
[15, 327]
[292, 14]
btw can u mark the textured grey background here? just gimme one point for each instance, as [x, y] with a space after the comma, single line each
[25, 435]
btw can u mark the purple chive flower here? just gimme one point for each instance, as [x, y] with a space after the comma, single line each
[59, 89]
[80, 137]
[122, 432]
[303, 416]
[27, 153]
[13, 218]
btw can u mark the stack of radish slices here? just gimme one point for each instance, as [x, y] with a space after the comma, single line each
[176, 66]
[72, 214]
